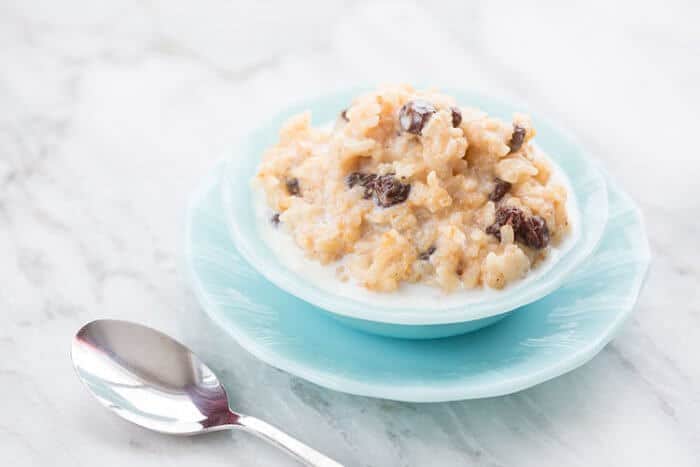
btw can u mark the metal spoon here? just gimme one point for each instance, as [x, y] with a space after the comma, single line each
[154, 381]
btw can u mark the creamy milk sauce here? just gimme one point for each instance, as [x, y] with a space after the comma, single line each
[325, 277]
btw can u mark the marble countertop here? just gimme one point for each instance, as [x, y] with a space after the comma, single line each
[112, 112]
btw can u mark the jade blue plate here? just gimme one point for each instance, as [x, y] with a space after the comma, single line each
[541, 341]
[438, 317]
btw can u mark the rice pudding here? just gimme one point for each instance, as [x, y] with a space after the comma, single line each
[409, 187]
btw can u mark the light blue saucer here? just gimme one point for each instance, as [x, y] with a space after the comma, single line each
[543, 340]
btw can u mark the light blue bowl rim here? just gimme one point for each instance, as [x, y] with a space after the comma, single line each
[586, 176]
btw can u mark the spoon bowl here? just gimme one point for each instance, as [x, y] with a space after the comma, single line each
[150, 379]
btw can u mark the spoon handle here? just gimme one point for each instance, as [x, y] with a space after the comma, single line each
[282, 440]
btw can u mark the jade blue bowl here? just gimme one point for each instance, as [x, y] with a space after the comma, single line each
[441, 318]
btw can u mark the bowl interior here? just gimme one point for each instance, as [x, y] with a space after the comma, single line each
[586, 182]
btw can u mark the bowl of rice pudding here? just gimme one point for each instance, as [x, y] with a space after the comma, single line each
[413, 213]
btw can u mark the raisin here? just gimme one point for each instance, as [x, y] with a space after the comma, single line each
[427, 253]
[364, 180]
[275, 219]
[353, 179]
[499, 191]
[506, 215]
[534, 233]
[531, 231]
[510, 215]
[344, 115]
[456, 116]
[358, 178]
[495, 230]
[293, 186]
[518, 138]
[414, 115]
[388, 190]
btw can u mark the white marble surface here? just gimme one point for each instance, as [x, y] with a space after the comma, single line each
[111, 112]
